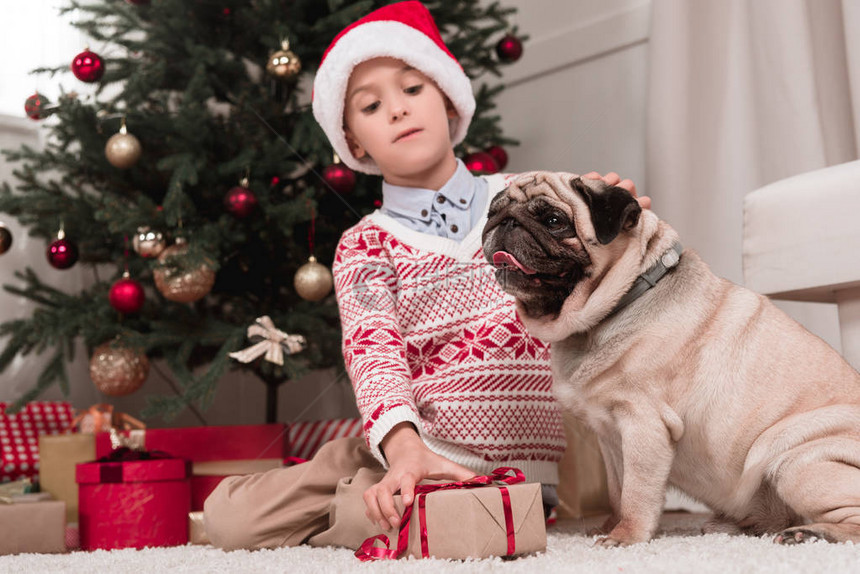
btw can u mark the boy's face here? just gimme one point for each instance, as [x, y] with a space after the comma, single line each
[399, 117]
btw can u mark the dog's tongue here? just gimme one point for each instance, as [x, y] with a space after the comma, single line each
[501, 258]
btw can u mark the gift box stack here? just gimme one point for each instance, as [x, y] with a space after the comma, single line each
[29, 521]
[128, 488]
[214, 451]
[127, 483]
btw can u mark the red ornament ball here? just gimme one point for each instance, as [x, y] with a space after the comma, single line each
[509, 49]
[62, 253]
[88, 66]
[481, 163]
[339, 177]
[127, 295]
[5, 239]
[35, 106]
[240, 201]
[500, 155]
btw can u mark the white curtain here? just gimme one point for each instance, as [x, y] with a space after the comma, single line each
[743, 93]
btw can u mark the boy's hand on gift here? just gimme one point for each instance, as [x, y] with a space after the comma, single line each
[409, 462]
[613, 178]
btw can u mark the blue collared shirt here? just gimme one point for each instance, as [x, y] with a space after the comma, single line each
[451, 212]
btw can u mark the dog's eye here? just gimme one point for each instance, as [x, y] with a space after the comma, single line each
[553, 220]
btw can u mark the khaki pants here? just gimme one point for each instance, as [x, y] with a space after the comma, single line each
[291, 506]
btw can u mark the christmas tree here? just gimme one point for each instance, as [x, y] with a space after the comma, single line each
[196, 185]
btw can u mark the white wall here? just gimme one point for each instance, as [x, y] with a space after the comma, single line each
[576, 99]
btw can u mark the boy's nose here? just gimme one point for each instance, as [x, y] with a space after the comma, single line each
[399, 108]
[398, 112]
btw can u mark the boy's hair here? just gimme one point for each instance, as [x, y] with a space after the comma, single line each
[405, 31]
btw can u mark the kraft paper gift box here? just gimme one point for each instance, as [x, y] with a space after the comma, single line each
[59, 454]
[582, 487]
[32, 523]
[214, 451]
[133, 503]
[197, 529]
[457, 523]
[471, 523]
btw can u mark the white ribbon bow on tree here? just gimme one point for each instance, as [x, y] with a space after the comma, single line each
[274, 342]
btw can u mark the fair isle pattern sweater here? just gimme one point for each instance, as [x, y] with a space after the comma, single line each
[430, 338]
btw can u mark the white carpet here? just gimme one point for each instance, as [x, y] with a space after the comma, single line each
[678, 548]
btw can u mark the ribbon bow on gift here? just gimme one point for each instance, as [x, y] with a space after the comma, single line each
[368, 551]
[272, 341]
[102, 418]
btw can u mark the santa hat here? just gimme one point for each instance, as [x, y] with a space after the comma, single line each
[405, 31]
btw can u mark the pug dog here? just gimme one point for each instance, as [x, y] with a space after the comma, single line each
[686, 379]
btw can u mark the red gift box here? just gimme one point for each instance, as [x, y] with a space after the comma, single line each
[133, 504]
[19, 436]
[307, 437]
[215, 451]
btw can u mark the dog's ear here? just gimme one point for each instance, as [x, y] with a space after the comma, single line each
[612, 210]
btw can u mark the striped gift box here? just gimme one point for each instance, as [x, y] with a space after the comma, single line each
[306, 437]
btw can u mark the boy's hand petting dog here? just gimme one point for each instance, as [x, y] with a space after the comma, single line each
[613, 178]
[409, 462]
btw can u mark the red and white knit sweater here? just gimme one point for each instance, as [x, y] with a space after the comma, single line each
[430, 338]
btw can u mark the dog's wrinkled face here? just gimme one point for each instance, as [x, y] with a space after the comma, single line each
[539, 232]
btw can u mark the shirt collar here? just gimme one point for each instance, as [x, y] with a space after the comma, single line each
[417, 202]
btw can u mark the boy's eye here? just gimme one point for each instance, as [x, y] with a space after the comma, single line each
[371, 108]
[414, 89]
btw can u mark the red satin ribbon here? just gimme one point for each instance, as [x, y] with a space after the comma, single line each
[369, 551]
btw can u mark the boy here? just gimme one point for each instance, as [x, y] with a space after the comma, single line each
[446, 379]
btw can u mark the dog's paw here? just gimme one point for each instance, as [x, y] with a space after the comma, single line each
[608, 525]
[799, 535]
[620, 537]
[608, 542]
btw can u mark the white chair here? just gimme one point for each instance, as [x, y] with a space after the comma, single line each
[802, 243]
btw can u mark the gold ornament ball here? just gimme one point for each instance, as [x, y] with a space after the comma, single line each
[313, 281]
[148, 243]
[284, 63]
[182, 285]
[123, 150]
[118, 370]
